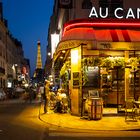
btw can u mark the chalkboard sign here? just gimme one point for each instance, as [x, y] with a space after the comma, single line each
[93, 77]
[76, 79]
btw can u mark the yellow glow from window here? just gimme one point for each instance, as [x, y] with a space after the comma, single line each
[74, 56]
[130, 75]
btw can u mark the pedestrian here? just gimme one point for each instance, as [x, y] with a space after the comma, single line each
[58, 106]
[38, 93]
[42, 91]
[46, 95]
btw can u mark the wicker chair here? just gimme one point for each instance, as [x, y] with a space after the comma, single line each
[130, 110]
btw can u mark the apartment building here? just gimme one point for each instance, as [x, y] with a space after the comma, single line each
[10, 50]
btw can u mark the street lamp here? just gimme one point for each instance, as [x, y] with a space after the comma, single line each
[54, 41]
[14, 67]
[49, 54]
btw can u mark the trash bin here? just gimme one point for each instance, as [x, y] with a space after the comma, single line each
[95, 108]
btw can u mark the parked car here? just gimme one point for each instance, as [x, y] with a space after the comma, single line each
[2, 95]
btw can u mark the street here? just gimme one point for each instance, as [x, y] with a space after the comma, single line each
[19, 120]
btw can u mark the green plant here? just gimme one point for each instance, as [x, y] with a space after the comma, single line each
[84, 75]
[119, 61]
[91, 61]
[64, 74]
[107, 62]
[111, 62]
[65, 68]
[133, 62]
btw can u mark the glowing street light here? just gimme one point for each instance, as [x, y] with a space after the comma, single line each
[54, 41]
[49, 54]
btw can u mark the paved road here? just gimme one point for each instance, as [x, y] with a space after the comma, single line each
[19, 121]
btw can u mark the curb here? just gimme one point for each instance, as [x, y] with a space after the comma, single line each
[101, 126]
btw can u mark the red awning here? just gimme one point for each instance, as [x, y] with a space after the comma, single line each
[114, 30]
[107, 35]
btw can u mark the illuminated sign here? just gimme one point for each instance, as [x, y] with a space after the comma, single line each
[104, 13]
[54, 42]
[100, 45]
[118, 46]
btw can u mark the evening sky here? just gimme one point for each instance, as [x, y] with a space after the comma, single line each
[28, 21]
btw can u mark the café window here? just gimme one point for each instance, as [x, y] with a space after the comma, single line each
[86, 4]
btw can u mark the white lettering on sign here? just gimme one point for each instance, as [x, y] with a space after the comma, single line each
[106, 13]
[130, 13]
[138, 13]
[93, 13]
[118, 13]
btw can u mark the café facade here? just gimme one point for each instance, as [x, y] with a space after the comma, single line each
[102, 57]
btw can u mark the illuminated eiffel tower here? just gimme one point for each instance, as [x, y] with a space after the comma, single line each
[38, 74]
[39, 60]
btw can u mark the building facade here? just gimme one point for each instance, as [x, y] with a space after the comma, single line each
[98, 50]
[10, 50]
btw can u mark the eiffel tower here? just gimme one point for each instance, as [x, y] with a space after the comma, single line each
[38, 61]
[38, 74]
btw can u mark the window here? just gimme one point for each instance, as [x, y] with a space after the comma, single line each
[86, 4]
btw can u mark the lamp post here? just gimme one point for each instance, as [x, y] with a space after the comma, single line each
[16, 66]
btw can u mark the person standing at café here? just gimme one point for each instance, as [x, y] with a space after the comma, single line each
[46, 94]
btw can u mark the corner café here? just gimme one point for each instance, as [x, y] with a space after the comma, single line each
[104, 58]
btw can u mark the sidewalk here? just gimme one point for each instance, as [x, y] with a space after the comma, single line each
[75, 122]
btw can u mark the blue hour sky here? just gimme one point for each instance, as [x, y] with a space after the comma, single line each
[28, 21]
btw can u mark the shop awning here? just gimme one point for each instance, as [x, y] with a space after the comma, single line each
[107, 35]
[114, 30]
[100, 34]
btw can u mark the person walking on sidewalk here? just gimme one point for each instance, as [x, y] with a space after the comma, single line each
[46, 95]
[42, 91]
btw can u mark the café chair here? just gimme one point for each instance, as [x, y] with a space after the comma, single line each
[130, 110]
[64, 105]
[138, 106]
